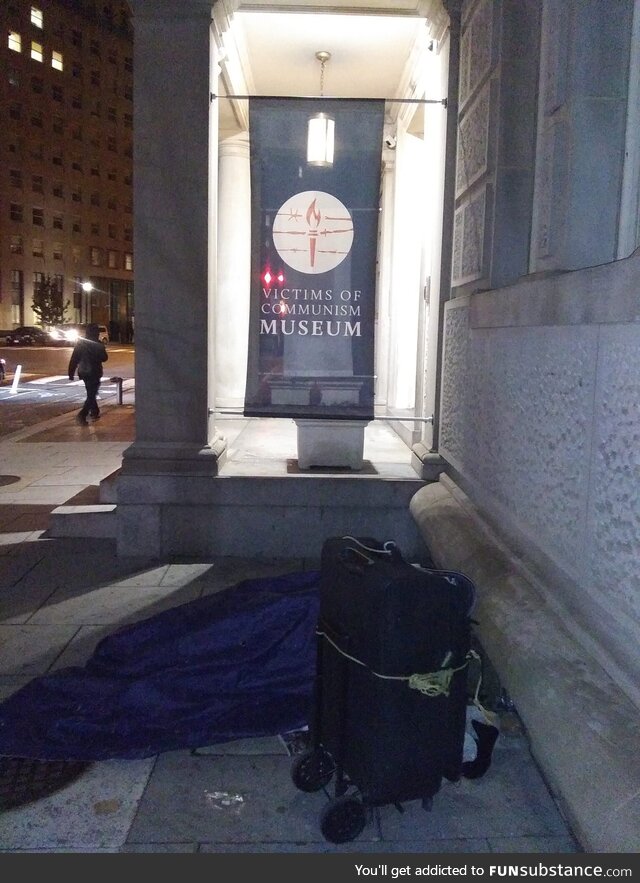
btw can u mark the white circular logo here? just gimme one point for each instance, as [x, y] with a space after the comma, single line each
[313, 231]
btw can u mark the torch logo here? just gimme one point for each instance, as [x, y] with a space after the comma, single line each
[313, 232]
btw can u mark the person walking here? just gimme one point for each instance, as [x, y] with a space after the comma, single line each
[87, 357]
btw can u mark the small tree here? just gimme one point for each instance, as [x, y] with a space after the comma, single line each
[47, 302]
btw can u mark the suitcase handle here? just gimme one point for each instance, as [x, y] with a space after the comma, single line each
[354, 560]
[357, 559]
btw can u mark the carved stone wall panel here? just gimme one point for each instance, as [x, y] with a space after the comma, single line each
[473, 142]
[554, 56]
[550, 193]
[476, 52]
[468, 239]
[454, 406]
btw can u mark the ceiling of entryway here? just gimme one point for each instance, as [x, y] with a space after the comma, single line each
[372, 49]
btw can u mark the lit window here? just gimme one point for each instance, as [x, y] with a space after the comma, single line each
[96, 257]
[15, 41]
[56, 61]
[113, 260]
[58, 222]
[16, 245]
[128, 261]
[37, 217]
[75, 254]
[57, 251]
[37, 249]
[36, 51]
[15, 211]
[36, 17]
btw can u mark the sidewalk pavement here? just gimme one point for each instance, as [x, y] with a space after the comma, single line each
[59, 597]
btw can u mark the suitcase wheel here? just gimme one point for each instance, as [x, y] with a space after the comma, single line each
[342, 819]
[312, 769]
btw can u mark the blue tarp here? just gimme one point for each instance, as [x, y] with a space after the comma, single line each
[236, 664]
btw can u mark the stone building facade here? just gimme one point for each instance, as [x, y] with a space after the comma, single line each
[532, 465]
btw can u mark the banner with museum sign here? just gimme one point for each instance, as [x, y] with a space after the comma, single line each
[313, 253]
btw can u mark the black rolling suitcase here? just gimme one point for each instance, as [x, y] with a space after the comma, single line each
[391, 682]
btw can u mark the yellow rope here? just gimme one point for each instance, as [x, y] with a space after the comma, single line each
[434, 683]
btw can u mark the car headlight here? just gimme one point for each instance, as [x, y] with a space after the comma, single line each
[55, 334]
[72, 334]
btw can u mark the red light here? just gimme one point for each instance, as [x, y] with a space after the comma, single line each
[267, 277]
[280, 277]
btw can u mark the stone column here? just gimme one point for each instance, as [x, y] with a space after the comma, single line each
[234, 271]
[175, 146]
[172, 86]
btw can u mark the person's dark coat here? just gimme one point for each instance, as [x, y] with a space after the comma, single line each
[87, 358]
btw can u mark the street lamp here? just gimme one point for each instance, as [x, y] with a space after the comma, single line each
[87, 286]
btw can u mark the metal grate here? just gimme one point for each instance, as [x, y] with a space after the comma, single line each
[24, 780]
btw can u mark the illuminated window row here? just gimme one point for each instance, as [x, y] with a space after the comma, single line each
[114, 259]
[37, 52]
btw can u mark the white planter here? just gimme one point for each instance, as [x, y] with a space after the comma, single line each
[338, 443]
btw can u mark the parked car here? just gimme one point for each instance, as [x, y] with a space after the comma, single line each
[66, 335]
[28, 335]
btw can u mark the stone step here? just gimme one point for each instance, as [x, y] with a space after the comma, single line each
[95, 520]
[108, 492]
[262, 516]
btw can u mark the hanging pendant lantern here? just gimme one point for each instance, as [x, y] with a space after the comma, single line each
[321, 128]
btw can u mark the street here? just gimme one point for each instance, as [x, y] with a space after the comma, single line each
[43, 389]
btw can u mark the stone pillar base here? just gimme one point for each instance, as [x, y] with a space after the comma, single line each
[162, 458]
[428, 464]
[338, 443]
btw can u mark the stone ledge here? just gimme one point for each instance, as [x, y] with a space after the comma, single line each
[583, 729]
[98, 520]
